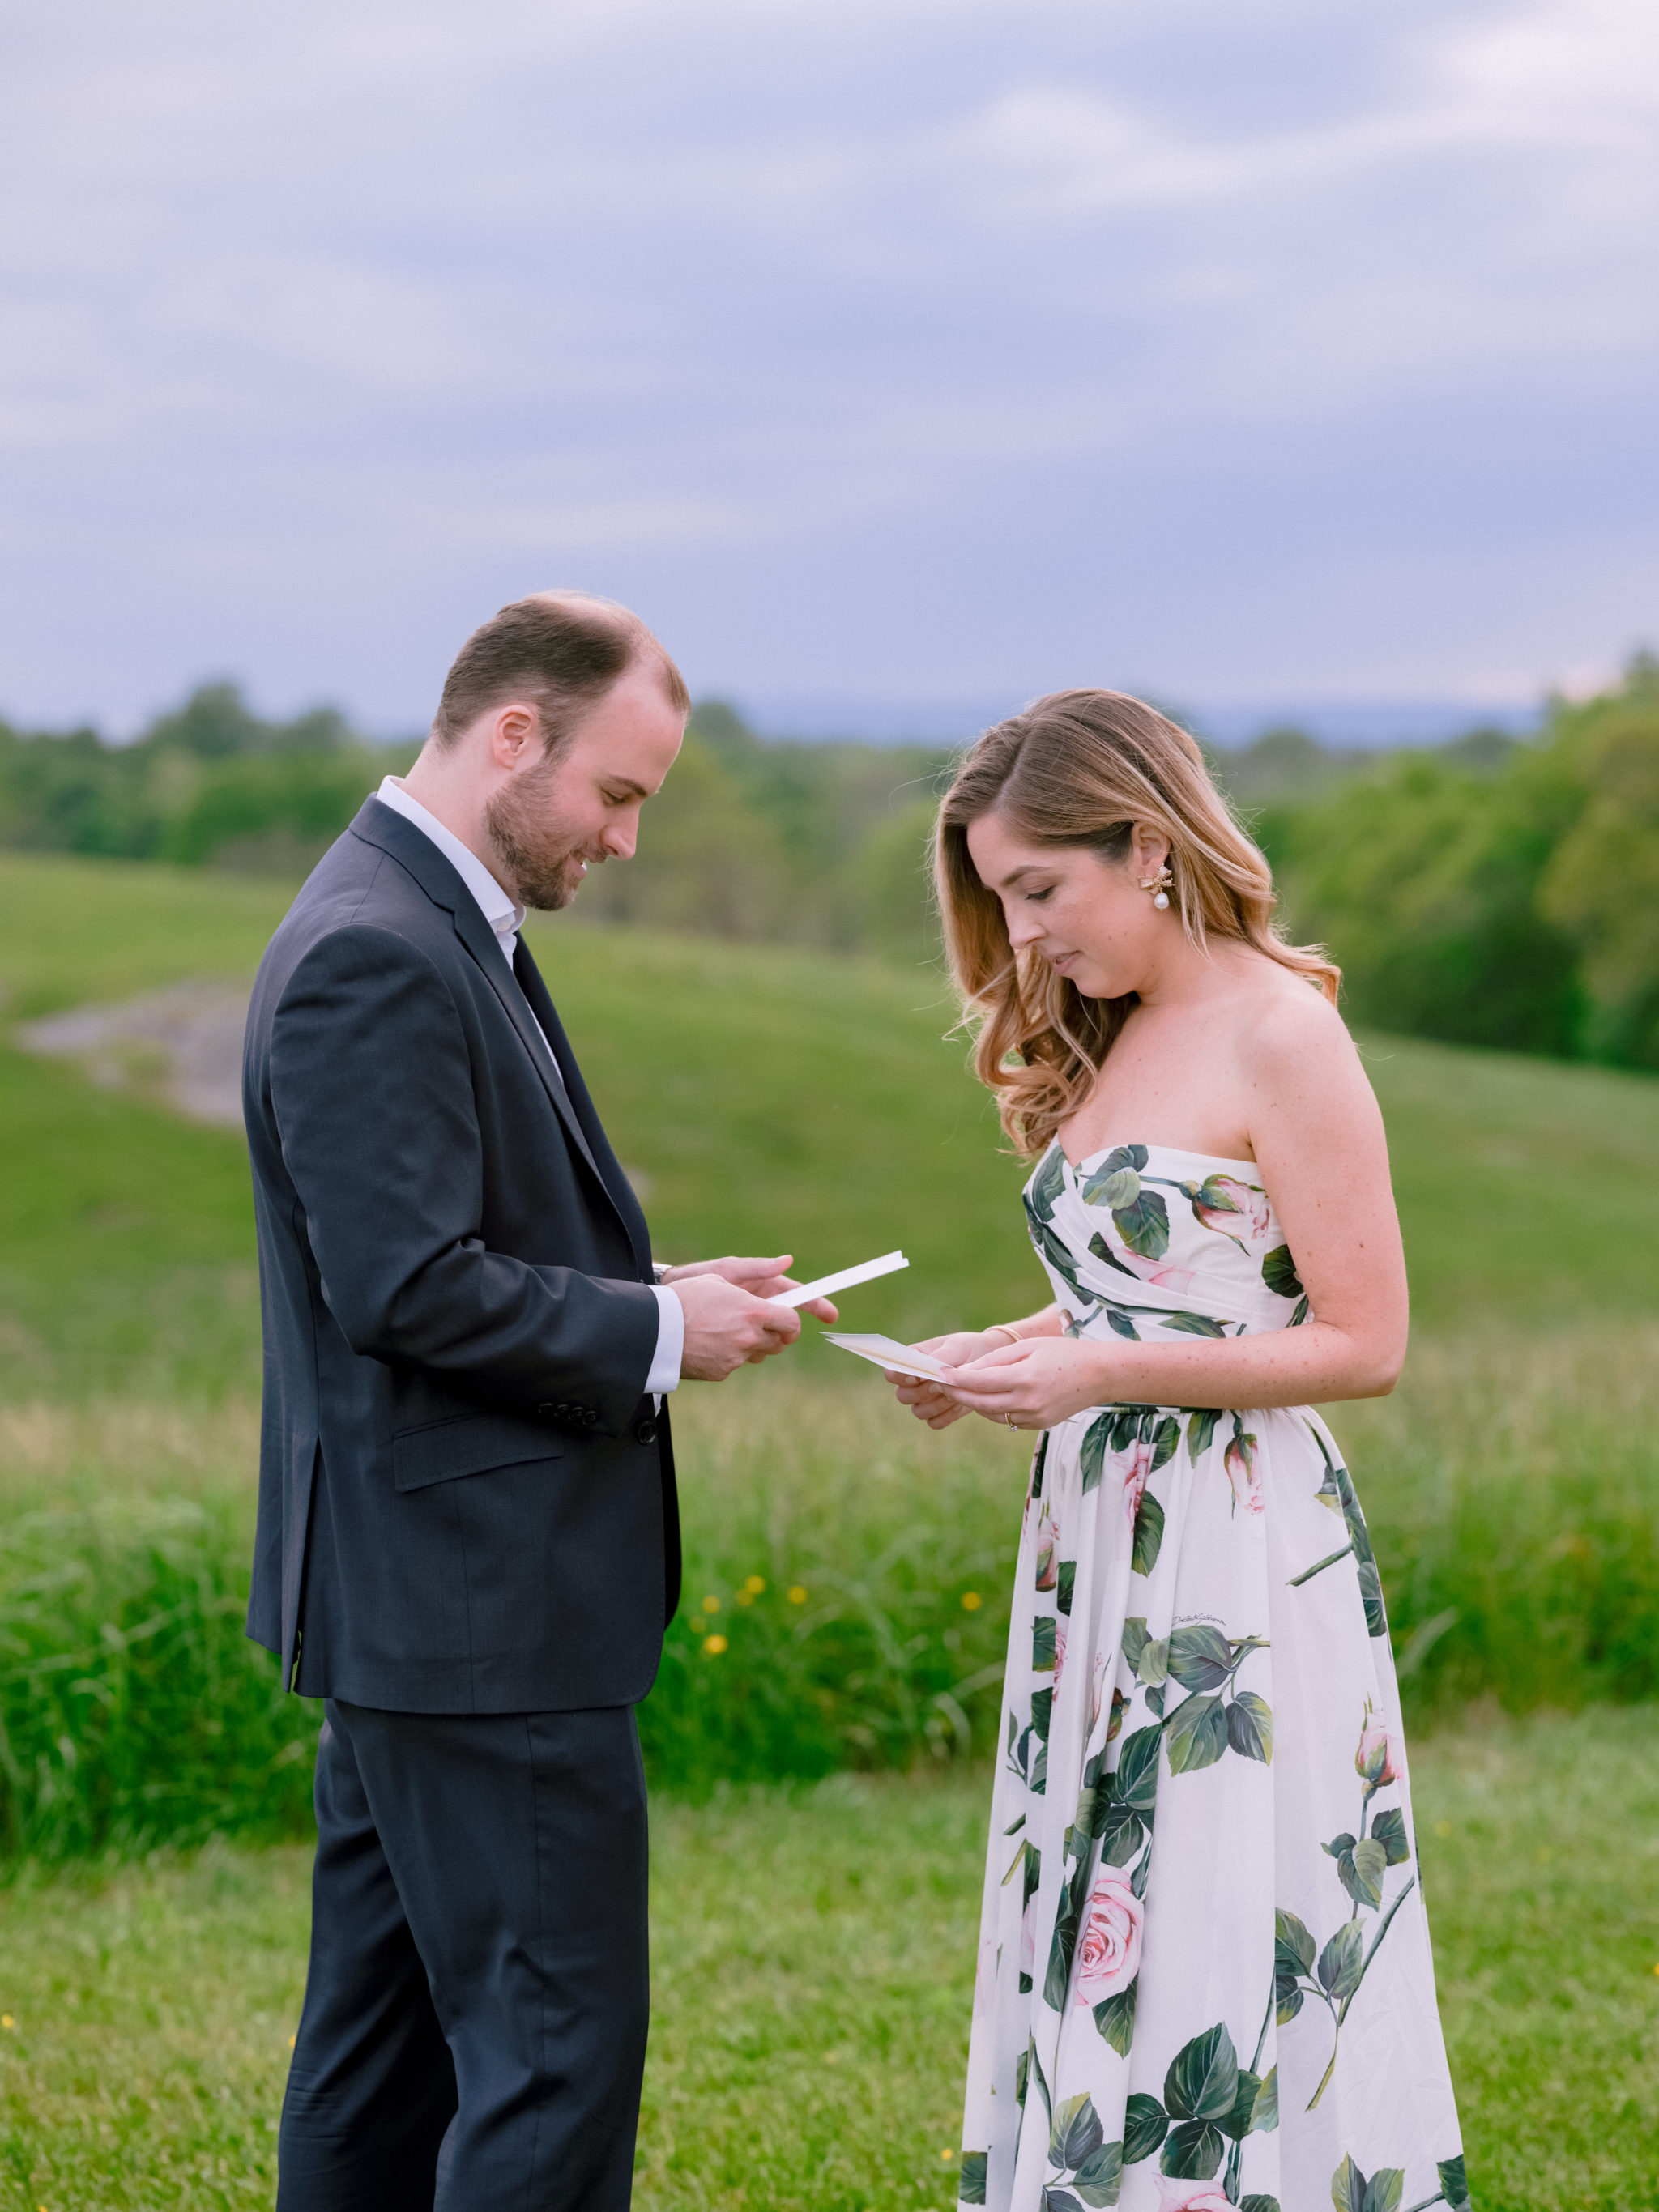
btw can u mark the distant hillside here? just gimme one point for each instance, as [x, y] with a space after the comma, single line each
[1493, 890]
[764, 1098]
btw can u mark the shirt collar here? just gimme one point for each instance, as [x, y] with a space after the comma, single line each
[498, 909]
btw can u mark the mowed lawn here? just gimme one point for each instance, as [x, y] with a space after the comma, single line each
[813, 1962]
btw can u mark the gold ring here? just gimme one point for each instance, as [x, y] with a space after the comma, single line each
[1009, 1419]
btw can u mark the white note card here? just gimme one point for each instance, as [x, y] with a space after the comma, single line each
[866, 1272]
[887, 1352]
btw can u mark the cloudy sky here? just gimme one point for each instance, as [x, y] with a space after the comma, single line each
[892, 356]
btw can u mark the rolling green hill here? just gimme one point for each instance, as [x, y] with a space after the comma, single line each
[766, 1099]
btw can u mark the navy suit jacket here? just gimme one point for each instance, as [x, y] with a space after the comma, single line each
[466, 1503]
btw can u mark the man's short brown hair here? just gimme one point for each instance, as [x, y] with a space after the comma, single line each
[562, 651]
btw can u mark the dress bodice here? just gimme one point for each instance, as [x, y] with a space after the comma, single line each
[1147, 1242]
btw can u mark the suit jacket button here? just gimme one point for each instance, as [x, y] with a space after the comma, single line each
[543, 1410]
[645, 1431]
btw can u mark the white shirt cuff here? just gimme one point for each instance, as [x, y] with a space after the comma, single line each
[671, 1342]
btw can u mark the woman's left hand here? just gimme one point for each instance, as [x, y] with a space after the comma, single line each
[1032, 1384]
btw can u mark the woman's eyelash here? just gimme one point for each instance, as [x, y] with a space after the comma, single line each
[1038, 897]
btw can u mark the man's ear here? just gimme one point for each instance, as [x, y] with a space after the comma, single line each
[515, 736]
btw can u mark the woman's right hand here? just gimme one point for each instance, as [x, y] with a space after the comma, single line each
[925, 1400]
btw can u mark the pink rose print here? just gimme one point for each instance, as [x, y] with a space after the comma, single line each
[1097, 1691]
[1109, 1954]
[1192, 2196]
[1047, 1544]
[1028, 1942]
[1135, 1473]
[1060, 1650]
[1240, 1461]
[1164, 1277]
[1380, 1759]
[1240, 1207]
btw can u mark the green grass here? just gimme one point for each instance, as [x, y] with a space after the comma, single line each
[771, 1100]
[814, 1942]
[1515, 1515]
[812, 1957]
[126, 1246]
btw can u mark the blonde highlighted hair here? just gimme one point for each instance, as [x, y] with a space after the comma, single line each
[1082, 769]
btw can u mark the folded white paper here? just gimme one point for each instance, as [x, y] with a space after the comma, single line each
[887, 1352]
[889, 1264]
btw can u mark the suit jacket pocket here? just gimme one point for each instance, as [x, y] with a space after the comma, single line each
[469, 1444]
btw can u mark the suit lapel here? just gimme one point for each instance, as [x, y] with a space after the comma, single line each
[413, 849]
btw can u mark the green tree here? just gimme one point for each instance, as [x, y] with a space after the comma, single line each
[1602, 885]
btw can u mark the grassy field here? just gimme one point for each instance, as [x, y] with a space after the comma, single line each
[767, 1100]
[814, 1941]
[847, 1586]
[812, 1957]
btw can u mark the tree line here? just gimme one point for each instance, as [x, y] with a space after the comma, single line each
[1491, 891]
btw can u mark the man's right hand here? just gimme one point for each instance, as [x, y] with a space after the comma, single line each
[725, 1325]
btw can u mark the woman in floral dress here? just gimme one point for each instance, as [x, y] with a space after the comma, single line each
[1204, 1974]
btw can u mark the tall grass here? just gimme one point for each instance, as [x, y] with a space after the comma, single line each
[1512, 1487]
[847, 1586]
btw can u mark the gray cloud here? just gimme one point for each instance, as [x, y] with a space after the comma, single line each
[926, 349]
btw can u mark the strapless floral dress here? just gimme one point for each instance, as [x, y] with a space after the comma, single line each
[1204, 1975]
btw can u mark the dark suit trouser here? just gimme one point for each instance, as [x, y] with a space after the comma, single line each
[473, 2032]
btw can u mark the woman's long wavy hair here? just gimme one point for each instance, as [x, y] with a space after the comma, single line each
[1082, 769]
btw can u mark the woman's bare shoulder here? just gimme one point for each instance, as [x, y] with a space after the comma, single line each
[1287, 1029]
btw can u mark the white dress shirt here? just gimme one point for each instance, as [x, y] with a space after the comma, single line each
[506, 921]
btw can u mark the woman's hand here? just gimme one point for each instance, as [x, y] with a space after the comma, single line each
[1031, 1384]
[927, 1401]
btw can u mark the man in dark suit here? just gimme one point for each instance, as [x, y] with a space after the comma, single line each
[468, 1540]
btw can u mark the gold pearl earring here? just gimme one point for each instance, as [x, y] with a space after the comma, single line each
[1160, 886]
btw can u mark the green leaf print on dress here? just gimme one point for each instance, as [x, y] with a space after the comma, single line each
[1337, 1492]
[1278, 1273]
[1362, 1864]
[1209, 2101]
[1199, 1659]
[1119, 1320]
[970, 2180]
[1350, 2191]
[1146, 1439]
[1086, 2168]
[1141, 1571]
[1138, 1215]
[1039, 1200]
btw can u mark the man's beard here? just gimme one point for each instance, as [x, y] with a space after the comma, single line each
[543, 864]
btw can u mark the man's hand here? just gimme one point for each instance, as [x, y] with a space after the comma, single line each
[727, 1319]
[762, 1278]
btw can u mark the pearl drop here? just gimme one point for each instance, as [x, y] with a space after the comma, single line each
[1162, 901]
